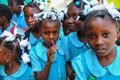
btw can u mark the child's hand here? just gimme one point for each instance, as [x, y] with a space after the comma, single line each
[51, 53]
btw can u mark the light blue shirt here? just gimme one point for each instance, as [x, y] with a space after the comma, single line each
[23, 73]
[89, 66]
[20, 20]
[33, 41]
[75, 46]
[58, 67]
[0, 30]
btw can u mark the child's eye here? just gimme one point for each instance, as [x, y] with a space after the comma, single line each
[75, 17]
[91, 36]
[55, 32]
[106, 34]
[46, 33]
[67, 16]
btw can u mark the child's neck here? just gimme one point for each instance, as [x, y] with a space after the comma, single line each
[18, 13]
[108, 59]
[36, 33]
[12, 67]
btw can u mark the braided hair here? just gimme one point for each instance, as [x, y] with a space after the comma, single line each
[32, 5]
[101, 14]
[12, 47]
[6, 11]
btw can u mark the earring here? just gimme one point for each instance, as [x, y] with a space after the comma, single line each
[7, 60]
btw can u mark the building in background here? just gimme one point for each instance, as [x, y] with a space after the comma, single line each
[62, 3]
[116, 3]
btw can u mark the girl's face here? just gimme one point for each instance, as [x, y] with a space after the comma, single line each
[72, 14]
[49, 31]
[29, 17]
[101, 34]
[14, 6]
[2, 20]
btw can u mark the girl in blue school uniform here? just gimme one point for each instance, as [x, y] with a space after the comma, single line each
[12, 67]
[101, 62]
[76, 41]
[33, 32]
[48, 60]
[18, 16]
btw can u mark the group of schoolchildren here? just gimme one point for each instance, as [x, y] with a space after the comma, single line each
[38, 44]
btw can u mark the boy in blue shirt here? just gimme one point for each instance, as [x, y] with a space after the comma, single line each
[18, 17]
[5, 17]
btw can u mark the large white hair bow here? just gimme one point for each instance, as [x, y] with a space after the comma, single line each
[23, 43]
[109, 7]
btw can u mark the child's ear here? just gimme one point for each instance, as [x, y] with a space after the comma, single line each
[3, 18]
[8, 57]
[118, 33]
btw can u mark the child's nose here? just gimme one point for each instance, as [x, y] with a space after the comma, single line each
[99, 41]
[30, 19]
[51, 36]
[70, 20]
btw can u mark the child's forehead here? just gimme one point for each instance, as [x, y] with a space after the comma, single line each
[50, 22]
[32, 9]
[99, 22]
[73, 8]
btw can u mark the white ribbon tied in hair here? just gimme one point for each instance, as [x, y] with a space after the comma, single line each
[110, 8]
[50, 14]
[23, 44]
[6, 33]
[9, 36]
[38, 16]
[25, 56]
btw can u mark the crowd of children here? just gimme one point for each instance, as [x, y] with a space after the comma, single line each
[81, 44]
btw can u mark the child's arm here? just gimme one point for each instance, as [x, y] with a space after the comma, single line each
[43, 75]
[70, 71]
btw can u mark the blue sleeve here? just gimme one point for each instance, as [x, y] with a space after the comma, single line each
[1, 78]
[78, 67]
[67, 49]
[36, 65]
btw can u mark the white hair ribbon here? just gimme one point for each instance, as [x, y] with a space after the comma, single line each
[23, 44]
[110, 8]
